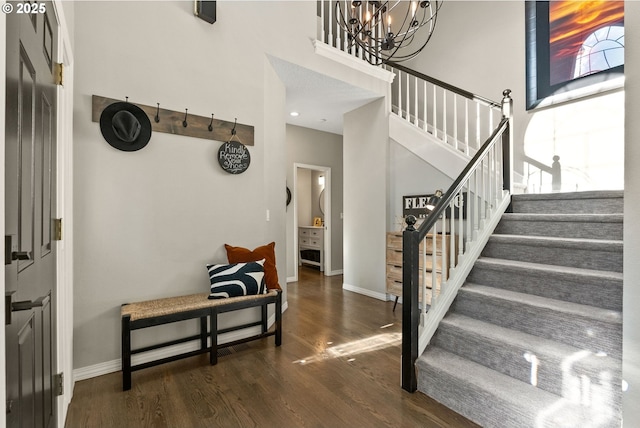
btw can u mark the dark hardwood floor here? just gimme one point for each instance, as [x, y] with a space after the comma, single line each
[338, 366]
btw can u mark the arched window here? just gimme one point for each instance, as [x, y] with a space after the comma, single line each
[602, 50]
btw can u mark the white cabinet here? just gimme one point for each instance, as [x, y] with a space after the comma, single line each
[311, 246]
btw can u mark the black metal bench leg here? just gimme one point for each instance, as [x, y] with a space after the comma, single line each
[126, 353]
[394, 305]
[279, 319]
[265, 324]
[203, 332]
[213, 333]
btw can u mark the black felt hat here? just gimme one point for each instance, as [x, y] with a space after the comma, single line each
[125, 126]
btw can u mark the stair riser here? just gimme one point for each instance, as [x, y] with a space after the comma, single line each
[569, 206]
[561, 229]
[584, 333]
[582, 257]
[545, 371]
[606, 293]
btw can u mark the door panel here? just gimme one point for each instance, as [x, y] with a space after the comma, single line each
[30, 195]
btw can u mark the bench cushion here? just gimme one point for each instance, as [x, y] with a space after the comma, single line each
[236, 279]
[174, 305]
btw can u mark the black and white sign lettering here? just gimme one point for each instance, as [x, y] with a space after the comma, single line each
[234, 157]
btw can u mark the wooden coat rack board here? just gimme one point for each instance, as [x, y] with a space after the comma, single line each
[171, 123]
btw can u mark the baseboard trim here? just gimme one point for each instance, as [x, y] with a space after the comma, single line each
[334, 272]
[364, 291]
[115, 365]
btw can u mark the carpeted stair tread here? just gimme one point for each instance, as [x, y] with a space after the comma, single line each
[568, 218]
[512, 352]
[603, 254]
[588, 327]
[571, 284]
[612, 245]
[569, 308]
[591, 194]
[590, 275]
[588, 226]
[570, 203]
[492, 399]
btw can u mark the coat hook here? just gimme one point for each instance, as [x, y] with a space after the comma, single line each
[157, 118]
[184, 122]
[233, 131]
[211, 124]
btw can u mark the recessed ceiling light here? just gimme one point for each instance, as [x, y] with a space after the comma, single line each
[294, 113]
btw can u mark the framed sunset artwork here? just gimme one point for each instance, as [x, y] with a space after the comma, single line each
[572, 45]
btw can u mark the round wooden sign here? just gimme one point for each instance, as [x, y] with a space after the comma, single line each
[234, 157]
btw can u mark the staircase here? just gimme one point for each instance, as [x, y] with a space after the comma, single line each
[534, 337]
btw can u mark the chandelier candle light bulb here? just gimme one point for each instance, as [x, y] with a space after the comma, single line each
[363, 22]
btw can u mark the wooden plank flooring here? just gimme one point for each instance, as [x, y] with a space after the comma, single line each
[338, 366]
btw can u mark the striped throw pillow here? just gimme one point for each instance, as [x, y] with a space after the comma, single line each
[236, 279]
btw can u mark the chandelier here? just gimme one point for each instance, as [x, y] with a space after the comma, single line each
[384, 31]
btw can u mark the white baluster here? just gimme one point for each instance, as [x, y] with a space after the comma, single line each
[490, 111]
[415, 101]
[455, 121]
[408, 98]
[399, 93]
[477, 125]
[466, 126]
[424, 113]
[444, 115]
[444, 249]
[478, 201]
[470, 203]
[434, 109]
[424, 277]
[452, 234]
[434, 263]
[461, 224]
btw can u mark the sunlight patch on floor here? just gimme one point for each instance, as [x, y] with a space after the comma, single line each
[356, 347]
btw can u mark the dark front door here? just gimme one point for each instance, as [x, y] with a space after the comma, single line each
[30, 196]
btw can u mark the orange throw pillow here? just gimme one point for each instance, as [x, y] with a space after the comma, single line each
[267, 252]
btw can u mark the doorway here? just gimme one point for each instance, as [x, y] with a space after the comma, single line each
[312, 217]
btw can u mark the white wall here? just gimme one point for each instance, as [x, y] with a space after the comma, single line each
[410, 175]
[366, 153]
[311, 147]
[631, 319]
[147, 222]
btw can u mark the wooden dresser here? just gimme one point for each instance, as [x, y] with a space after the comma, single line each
[311, 246]
[394, 264]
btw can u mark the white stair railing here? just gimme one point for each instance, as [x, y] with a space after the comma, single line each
[453, 116]
[457, 229]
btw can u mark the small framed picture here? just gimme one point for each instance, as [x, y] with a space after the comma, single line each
[317, 221]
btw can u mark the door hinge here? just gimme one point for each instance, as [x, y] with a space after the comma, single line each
[58, 73]
[58, 384]
[57, 229]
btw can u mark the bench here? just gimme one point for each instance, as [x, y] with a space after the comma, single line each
[149, 313]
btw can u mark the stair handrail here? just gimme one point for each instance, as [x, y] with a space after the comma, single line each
[500, 180]
[449, 87]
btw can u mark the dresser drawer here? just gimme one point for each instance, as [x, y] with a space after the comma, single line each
[310, 242]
